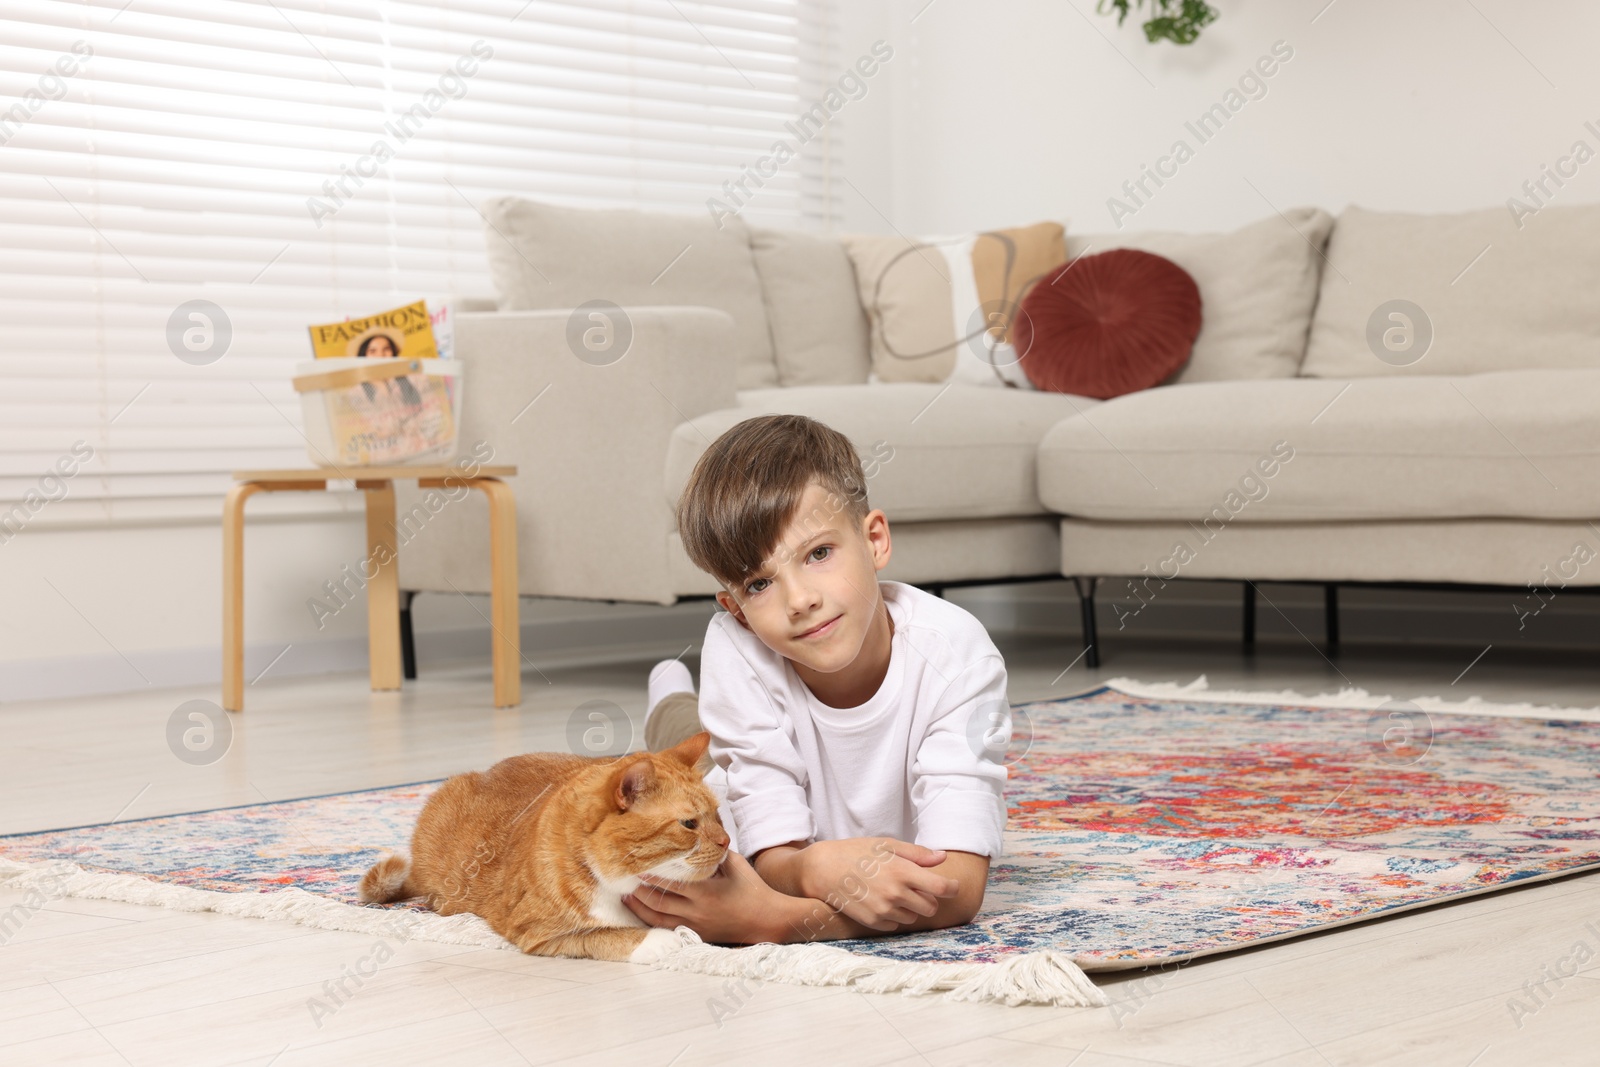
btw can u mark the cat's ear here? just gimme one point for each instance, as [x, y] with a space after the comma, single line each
[691, 751]
[633, 781]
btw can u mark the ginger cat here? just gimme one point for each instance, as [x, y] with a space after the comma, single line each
[544, 846]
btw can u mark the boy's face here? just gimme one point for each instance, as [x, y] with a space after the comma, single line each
[816, 596]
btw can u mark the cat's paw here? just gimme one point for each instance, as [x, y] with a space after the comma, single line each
[657, 945]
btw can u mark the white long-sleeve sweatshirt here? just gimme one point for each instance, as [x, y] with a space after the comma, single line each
[920, 761]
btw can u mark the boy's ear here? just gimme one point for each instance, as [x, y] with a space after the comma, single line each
[731, 606]
[875, 532]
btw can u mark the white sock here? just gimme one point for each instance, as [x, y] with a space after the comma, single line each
[667, 677]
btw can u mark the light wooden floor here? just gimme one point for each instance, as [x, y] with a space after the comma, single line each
[94, 982]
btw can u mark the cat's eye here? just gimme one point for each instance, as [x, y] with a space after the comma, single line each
[688, 824]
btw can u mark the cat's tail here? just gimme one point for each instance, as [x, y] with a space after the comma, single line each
[385, 881]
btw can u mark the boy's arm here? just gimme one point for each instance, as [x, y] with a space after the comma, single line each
[881, 885]
[735, 906]
[958, 772]
[750, 739]
[811, 919]
[780, 867]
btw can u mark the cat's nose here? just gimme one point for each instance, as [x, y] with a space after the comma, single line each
[720, 838]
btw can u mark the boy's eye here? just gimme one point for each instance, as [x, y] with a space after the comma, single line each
[821, 552]
[756, 586]
[688, 824]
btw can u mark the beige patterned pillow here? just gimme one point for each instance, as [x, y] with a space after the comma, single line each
[941, 308]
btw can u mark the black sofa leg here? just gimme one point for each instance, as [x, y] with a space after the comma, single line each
[1330, 611]
[1091, 636]
[1249, 616]
[408, 644]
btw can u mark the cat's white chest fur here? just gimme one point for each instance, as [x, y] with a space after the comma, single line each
[607, 907]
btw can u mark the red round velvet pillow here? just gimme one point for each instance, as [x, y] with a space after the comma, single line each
[1108, 324]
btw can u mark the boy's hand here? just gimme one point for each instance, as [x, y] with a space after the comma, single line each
[732, 907]
[735, 905]
[879, 882]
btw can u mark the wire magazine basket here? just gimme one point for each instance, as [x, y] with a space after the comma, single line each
[361, 412]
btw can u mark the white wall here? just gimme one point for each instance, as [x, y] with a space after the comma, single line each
[1004, 113]
[97, 609]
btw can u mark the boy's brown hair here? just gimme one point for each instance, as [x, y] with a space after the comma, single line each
[746, 488]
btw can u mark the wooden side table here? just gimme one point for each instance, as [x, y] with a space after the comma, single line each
[383, 588]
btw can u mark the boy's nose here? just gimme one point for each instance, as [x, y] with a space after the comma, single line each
[803, 598]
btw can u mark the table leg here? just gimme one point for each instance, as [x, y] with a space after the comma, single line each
[503, 586]
[383, 586]
[233, 594]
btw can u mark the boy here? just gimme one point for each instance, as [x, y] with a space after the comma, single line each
[857, 726]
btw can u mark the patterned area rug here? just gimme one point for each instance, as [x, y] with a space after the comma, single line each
[1143, 828]
[1146, 830]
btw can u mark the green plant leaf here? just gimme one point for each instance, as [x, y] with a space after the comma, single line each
[1178, 21]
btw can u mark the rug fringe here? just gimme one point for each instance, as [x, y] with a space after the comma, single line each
[1033, 978]
[1030, 978]
[1199, 689]
[59, 878]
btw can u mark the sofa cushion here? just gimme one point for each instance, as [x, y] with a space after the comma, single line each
[929, 451]
[546, 257]
[1493, 296]
[1515, 444]
[819, 331]
[1257, 287]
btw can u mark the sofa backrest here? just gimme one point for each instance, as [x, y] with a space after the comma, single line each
[544, 257]
[1257, 288]
[1458, 294]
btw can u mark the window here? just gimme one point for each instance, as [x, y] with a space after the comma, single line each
[295, 161]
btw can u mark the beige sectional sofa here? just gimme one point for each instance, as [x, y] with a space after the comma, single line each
[1305, 440]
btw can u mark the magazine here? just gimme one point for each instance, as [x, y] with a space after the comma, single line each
[389, 421]
[404, 331]
[400, 415]
[443, 317]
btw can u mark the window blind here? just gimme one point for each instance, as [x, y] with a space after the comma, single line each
[186, 185]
